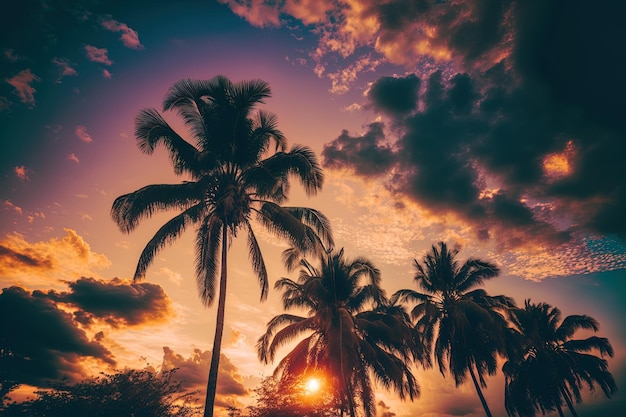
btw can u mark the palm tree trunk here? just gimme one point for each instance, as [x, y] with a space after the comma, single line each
[568, 400]
[219, 330]
[480, 393]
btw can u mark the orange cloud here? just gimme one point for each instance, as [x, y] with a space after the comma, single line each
[22, 84]
[82, 134]
[129, 37]
[256, 12]
[45, 263]
[73, 157]
[21, 172]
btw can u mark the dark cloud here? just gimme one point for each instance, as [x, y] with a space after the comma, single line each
[193, 372]
[11, 259]
[116, 302]
[528, 149]
[40, 342]
[468, 31]
[395, 95]
[367, 155]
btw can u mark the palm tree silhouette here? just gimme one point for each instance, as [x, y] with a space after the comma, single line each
[351, 329]
[235, 176]
[551, 368]
[464, 327]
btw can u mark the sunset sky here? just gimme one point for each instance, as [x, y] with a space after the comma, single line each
[497, 126]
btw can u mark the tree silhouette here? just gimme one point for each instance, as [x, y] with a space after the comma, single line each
[350, 332]
[129, 393]
[552, 367]
[234, 177]
[464, 327]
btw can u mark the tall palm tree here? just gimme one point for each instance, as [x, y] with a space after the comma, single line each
[349, 331]
[462, 326]
[234, 175]
[552, 367]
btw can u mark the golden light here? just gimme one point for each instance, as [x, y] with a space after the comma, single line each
[559, 165]
[312, 385]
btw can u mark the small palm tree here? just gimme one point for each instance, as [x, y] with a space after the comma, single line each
[551, 367]
[350, 331]
[234, 176]
[462, 326]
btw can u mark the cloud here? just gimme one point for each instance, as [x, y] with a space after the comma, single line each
[193, 372]
[11, 56]
[22, 84]
[21, 172]
[44, 342]
[13, 207]
[65, 70]
[47, 263]
[256, 12]
[395, 95]
[172, 276]
[81, 132]
[73, 157]
[129, 37]
[106, 74]
[116, 302]
[368, 155]
[99, 55]
[477, 146]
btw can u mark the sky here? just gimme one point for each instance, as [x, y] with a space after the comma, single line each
[496, 126]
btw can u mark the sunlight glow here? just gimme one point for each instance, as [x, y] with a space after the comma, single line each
[312, 385]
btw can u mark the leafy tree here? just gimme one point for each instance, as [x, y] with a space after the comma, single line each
[462, 326]
[235, 176]
[552, 367]
[289, 398]
[349, 332]
[131, 393]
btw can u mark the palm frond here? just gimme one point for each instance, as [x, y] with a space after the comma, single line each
[151, 130]
[258, 264]
[208, 244]
[167, 234]
[129, 209]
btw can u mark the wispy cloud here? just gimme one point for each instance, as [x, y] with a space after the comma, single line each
[21, 172]
[82, 134]
[129, 37]
[22, 84]
[65, 70]
[106, 74]
[73, 157]
[99, 55]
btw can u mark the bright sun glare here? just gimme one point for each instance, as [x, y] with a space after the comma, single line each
[312, 385]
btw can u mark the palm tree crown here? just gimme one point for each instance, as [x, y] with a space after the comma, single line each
[462, 326]
[238, 170]
[351, 329]
[552, 367]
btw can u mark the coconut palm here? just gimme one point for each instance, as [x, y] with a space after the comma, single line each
[462, 326]
[349, 331]
[237, 170]
[552, 367]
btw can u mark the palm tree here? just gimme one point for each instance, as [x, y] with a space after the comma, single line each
[552, 368]
[349, 330]
[464, 327]
[234, 176]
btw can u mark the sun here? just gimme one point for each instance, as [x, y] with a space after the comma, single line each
[312, 385]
